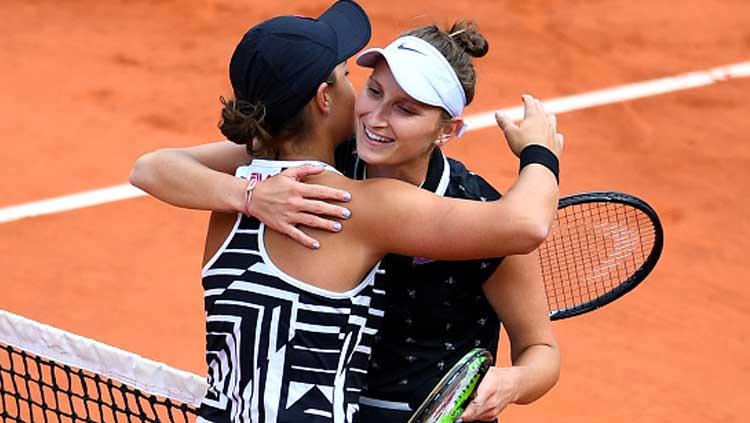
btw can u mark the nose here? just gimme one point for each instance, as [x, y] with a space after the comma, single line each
[377, 118]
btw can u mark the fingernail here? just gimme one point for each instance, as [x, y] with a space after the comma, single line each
[347, 196]
[346, 213]
[337, 226]
[316, 245]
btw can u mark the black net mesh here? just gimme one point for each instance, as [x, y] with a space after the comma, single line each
[34, 389]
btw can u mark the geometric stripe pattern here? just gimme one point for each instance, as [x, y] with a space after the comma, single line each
[279, 349]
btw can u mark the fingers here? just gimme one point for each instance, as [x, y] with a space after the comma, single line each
[479, 404]
[319, 192]
[477, 411]
[321, 208]
[471, 413]
[310, 221]
[322, 192]
[313, 221]
[552, 120]
[300, 237]
[290, 228]
[302, 172]
[504, 122]
[529, 105]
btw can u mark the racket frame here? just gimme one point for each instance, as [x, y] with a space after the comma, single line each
[482, 358]
[639, 275]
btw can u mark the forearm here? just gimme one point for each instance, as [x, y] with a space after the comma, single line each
[535, 372]
[456, 229]
[177, 178]
[533, 200]
[516, 292]
[537, 144]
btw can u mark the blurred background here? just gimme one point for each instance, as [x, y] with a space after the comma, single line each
[89, 86]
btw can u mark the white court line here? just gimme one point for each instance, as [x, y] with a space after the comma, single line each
[70, 202]
[622, 93]
[479, 121]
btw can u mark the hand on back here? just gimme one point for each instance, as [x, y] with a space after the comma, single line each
[284, 202]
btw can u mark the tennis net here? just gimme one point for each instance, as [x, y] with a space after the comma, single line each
[49, 375]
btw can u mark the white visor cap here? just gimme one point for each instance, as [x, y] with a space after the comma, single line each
[422, 72]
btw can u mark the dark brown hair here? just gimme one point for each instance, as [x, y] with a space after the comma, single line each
[243, 122]
[458, 45]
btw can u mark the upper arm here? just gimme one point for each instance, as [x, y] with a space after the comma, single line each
[517, 294]
[404, 219]
[222, 156]
[200, 177]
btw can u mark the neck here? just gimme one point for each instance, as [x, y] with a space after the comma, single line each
[413, 172]
[311, 146]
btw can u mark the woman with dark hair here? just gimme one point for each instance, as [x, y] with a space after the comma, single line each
[437, 310]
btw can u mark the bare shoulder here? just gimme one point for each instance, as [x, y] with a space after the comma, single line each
[369, 187]
[379, 187]
[224, 156]
[331, 179]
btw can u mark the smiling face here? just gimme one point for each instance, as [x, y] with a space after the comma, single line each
[394, 130]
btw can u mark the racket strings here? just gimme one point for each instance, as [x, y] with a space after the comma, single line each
[593, 248]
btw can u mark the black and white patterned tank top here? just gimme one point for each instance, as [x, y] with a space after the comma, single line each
[279, 349]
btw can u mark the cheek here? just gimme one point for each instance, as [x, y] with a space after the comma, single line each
[413, 131]
[360, 105]
[365, 103]
[345, 99]
[350, 93]
[349, 102]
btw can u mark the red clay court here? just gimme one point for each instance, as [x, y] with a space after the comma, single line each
[89, 86]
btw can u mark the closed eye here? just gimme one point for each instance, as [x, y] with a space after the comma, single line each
[405, 110]
[373, 91]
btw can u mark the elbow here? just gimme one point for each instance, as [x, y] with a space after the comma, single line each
[142, 170]
[531, 228]
[541, 232]
[534, 233]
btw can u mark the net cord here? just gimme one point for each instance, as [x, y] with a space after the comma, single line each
[144, 374]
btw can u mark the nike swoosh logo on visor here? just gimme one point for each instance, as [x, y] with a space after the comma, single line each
[404, 47]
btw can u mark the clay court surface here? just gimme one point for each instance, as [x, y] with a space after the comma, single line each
[89, 86]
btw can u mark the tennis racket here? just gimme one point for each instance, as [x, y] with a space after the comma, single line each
[450, 396]
[600, 247]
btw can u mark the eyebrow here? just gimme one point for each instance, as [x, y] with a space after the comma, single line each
[405, 97]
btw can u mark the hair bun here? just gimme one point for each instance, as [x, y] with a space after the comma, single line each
[240, 120]
[466, 35]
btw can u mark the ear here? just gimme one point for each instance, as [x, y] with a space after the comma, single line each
[322, 99]
[448, 130]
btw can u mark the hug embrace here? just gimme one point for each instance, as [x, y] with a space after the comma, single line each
[407, 260]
